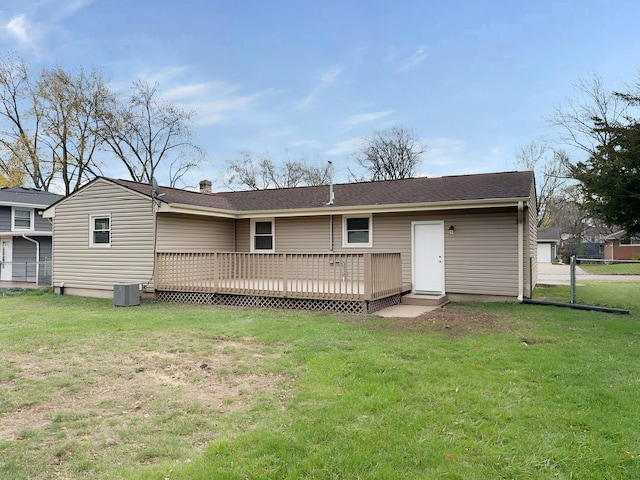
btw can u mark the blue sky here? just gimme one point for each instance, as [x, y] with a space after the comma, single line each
[474, 79]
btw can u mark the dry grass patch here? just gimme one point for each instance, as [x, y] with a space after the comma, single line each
[455, 323]
[111, 405]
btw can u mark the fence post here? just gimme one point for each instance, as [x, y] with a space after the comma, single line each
[572, 264]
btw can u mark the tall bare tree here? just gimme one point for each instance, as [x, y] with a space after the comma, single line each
[21, 125]
[550, 167]
[69, 106]
[389, 154]
[258, 172]
[146, 133]
[586, 119]
[48, 127]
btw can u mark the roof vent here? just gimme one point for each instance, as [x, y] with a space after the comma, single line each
[205, 186]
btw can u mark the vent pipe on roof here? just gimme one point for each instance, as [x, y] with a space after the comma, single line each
[330, 202]
[205, 186]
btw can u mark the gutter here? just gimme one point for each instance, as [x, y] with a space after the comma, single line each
[37, 256]
[341, 210]
[520, 251]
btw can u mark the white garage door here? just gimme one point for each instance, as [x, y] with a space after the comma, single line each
[544, 253]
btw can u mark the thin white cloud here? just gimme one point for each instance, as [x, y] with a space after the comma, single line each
[326, 79]
[69, 8]
[305, 143]
[414, 60]
[355, 120]
[44, 19]
[444, 151]
[346, 147]
[20, 28]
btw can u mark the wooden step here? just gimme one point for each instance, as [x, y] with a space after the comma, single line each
[425, 300]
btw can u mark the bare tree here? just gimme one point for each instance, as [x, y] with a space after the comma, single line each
[146, 133]
[11, 174]
[389, 154]
[550, 167]
[587, 119]
[258, 172]
[69, 106]
[20, 125]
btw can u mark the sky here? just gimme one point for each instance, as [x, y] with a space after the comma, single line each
[474, 79]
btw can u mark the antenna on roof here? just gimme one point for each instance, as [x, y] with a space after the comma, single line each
[330, 183]
[155, 191]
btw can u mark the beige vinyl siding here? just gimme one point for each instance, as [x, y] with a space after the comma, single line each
[243, 232]
[130, 257]
[191, 233]
[481, 258]
[304, 234]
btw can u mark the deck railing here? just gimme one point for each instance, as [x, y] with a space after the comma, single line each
[344, 276]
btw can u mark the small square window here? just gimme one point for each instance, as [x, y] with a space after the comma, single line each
[357, 232]
[22, 219]
[100, 230]
[262, 236]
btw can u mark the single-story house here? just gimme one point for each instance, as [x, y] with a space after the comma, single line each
[548, 241]
[620, 247]
[349, 247]
[25, 237]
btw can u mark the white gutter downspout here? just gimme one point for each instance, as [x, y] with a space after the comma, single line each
[331, 233]
[520, 251]
[37, 257]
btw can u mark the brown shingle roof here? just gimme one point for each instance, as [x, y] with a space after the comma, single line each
[490, 186]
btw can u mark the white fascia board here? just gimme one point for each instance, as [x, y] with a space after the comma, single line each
[332, 210]
[28, 233]
[354, 210]
[23, 205]
[196, 210]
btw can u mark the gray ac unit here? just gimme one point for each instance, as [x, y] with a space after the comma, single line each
[127, 294]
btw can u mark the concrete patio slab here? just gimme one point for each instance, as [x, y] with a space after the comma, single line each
[404, 311]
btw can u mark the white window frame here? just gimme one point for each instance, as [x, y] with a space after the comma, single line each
[92, 219]
[345, 236]
[31, 226]
[631, 242]
[253, 235]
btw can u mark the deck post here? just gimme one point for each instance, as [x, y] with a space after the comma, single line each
[216, 272]
[368, 277]
[285, 287]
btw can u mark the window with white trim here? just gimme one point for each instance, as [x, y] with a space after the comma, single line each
[630, 241]
[21, 218]
[100, 230]
[357, 231]
[262, 235]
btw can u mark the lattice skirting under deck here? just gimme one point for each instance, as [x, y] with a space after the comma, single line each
[342, 306]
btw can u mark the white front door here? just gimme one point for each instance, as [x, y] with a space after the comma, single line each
[427, 247]
[6, 272]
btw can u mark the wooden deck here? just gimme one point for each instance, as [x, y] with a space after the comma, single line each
[322, 276]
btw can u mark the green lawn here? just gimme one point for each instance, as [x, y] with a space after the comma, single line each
[477, 391]
[612, 269]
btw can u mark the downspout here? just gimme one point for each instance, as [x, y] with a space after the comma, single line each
[331, 233]
[520, 251]
[37, 257]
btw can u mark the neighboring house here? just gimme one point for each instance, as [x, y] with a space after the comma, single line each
[548, 241]
[620, 247]
[25, 237]
[468, 236]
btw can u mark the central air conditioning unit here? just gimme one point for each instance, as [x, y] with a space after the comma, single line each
[127, 294]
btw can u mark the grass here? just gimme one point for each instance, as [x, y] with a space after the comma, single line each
[611, 269]
[160, 391]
